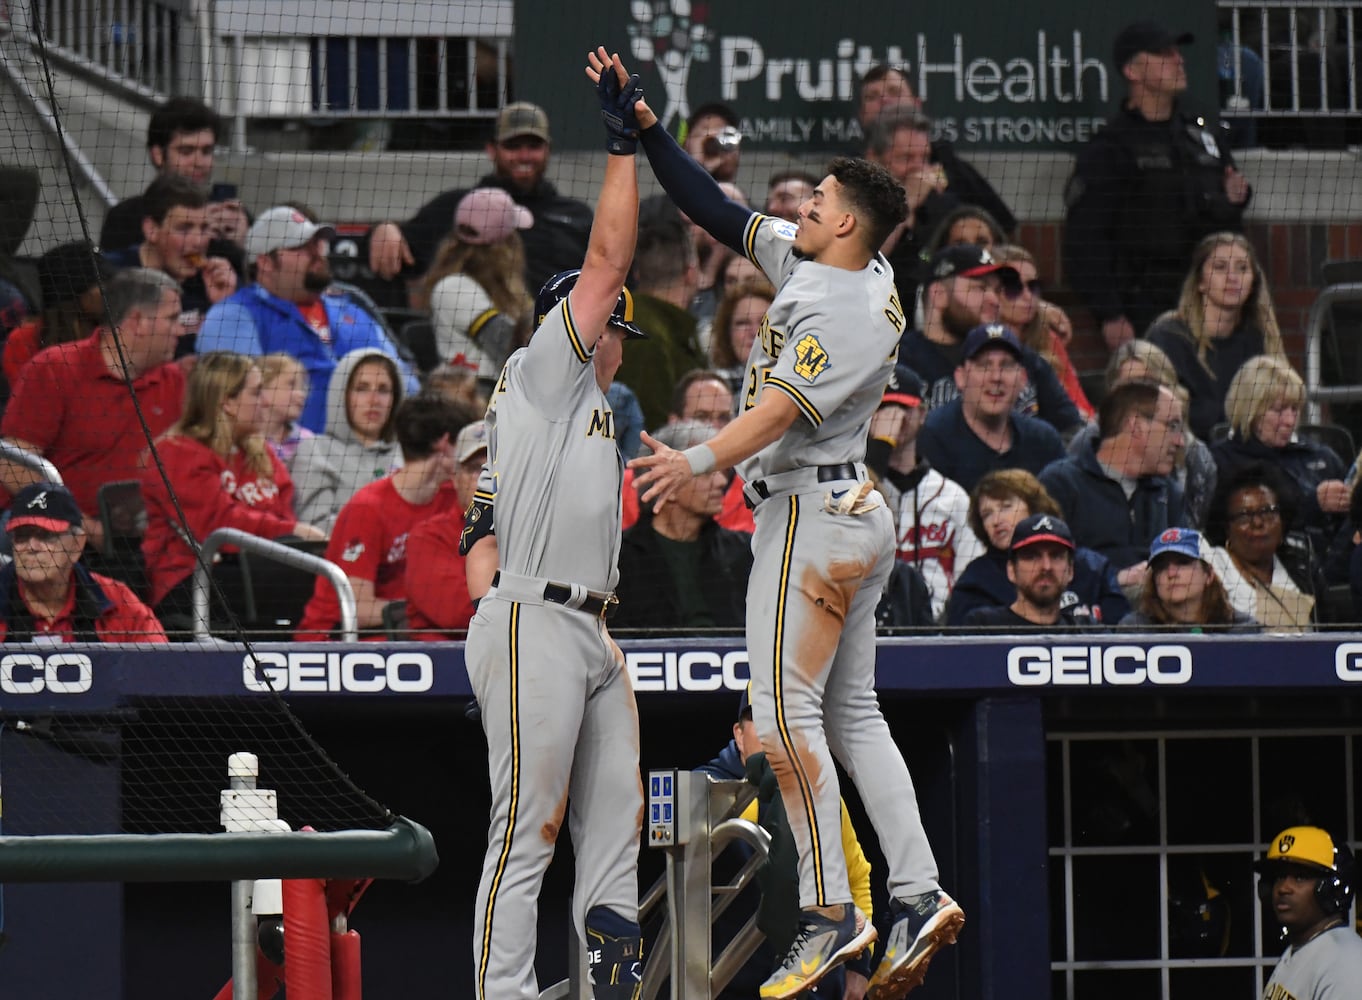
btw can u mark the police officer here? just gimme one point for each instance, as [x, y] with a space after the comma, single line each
[1148, 186]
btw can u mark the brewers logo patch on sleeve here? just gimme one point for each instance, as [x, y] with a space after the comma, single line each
[810, 358]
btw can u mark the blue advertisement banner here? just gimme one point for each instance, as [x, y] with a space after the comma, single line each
[90, 678]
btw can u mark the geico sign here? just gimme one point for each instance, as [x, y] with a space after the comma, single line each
[60, 673]
[328, 672]
[693, 670]
[1033, 666]
[1348, 661]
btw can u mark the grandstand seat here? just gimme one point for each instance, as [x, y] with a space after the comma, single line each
[123, 516]
[418, 337]
[395, 620]
[271, 596]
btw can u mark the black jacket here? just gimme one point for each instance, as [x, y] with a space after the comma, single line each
[1141, 195]
[1098, 513]
[1305, 465]
[647, 591]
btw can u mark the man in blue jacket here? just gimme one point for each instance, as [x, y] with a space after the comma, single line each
[1117, 496]
[289, 309]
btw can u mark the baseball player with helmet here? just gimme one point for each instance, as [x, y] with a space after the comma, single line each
[823, 548]
[556, 704]
[1307, 879]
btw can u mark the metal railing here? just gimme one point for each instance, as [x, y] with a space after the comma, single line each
[1290, 58]
[263, 547]
[1315, 392]
[10, 452]
[151, 49]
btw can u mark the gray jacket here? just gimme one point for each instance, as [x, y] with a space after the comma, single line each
[329, 468]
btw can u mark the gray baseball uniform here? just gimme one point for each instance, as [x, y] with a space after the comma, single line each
[1328, 967]
[828, 341]
[557, 707]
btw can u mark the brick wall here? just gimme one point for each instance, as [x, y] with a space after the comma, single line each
[1292, 254]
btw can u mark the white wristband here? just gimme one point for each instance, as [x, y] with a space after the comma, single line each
[701, 459]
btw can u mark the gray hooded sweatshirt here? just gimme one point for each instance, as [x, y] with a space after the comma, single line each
[329, 468]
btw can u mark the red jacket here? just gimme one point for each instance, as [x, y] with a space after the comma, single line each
[114, 610]
[213, 493]
[437, 587]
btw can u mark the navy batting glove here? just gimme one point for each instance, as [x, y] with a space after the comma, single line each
[617, 111]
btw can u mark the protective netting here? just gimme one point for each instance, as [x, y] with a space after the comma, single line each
[305, 221]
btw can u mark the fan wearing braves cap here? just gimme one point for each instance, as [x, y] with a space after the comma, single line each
[47, 595]
[1146, 189]
[960, 292]
[1182, 588]
[286, 311]
[1307, 878]
[475, 289]
[556, 702]
[519, 150]
[931, 512]
[1040, 564]
[980, 430]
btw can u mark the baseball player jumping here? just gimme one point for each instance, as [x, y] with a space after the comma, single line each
[823, 548]
[557, 707]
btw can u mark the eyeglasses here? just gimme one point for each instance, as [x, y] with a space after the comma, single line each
[1270, 513]
[1172, 426]
[1013, 290]
[29, 534]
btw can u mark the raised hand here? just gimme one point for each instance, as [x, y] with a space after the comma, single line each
[618, 92]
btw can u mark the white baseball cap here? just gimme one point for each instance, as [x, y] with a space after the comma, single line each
[471, 440]
[282, 228]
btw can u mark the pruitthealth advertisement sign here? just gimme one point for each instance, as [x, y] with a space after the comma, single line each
[991, 75]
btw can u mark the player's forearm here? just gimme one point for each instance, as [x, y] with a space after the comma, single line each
[615, 228]
[695, 192]
[753, 431]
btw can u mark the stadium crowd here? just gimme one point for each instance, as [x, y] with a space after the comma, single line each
[1181, 493]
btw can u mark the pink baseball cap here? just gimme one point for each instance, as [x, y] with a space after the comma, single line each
[488, 215]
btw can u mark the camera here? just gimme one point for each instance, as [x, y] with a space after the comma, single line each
[726, 140]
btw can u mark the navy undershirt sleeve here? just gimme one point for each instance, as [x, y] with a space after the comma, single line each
[694, 191]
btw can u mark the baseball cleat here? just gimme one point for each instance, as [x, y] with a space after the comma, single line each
[922, 926]
[821, 945]
[614, 951]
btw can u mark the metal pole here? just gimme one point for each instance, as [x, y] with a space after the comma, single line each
[242, 769]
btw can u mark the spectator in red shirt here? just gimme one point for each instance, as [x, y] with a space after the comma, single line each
[73, 403]
[222, 474]
[369, 541]
[46, 595]
[438, 601]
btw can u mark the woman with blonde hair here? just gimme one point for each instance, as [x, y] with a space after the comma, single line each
[218, 471]
[1264, 406]
[1022, 306]
[1224, 317]
[737, 322]
[475, 288]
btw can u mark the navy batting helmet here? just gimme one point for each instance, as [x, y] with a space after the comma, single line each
[556, 289]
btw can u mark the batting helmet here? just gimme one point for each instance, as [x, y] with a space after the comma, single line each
[1310, 848]
[556, 289]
